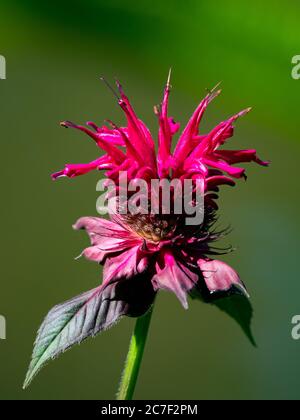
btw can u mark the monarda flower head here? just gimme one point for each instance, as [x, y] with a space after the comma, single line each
[145, 251]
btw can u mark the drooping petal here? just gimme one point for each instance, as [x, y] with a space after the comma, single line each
[105, 247]
[220, 277]
[112, 241]
[173, 275]
[126, 264]
[98, 227]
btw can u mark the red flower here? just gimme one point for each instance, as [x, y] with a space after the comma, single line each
[170, 254]
[145, 252]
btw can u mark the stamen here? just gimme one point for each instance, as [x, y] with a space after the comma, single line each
[67, 124]
[210, 91]
[157, 110]
[120, 88]
[110, 87]
[112, 124]
[168, 85]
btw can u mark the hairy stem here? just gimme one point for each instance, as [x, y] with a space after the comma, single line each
[134, 357]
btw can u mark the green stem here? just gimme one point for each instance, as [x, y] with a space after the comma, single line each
[134, 357]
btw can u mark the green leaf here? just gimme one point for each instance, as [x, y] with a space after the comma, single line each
[70, 323]
[239, 308]
[235, 302]
[87, 315]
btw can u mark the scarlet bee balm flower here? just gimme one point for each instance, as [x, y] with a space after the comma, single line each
[142, 254]
[130, 246]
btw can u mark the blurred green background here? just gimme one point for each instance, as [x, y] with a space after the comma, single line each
[55, 53]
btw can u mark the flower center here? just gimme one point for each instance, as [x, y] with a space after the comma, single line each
[153, 227]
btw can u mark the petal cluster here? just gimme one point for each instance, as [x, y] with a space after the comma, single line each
[180, 262]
